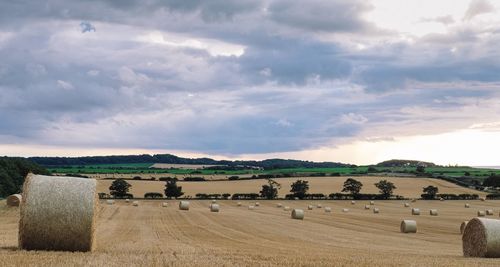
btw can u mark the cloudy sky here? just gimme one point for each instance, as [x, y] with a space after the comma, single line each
[340, 80]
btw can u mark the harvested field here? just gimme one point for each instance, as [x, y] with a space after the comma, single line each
[181, 166]
[150, 235]
[408, 187]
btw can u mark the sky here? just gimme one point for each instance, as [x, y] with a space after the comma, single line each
[350, 81]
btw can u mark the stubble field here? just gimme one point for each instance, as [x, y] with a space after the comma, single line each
[149, 235]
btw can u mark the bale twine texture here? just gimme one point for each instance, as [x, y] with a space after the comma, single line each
[184, 205]
[58, 213]
[298, 214]
[481, 238]
[415, 211]
[14, 200]
[408, 226]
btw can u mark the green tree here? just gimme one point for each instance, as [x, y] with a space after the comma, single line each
[430, 192]
[385, 188]
[300, 188]
[420, 169]
[172, 190]
[353, 186]
[119, 187]
[270, 190]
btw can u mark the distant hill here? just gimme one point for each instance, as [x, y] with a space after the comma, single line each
[12, 174]
[172, 159]
[404, 163]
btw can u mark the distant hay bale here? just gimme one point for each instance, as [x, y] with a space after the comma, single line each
[462, 226]
[467, 205]
[367, 207]
[481, 238]
[127, 200]
[441, 199]
[328, 209]
[433, 212]
[376, 210]
[279, 205]
[408, 226]
[372, 202]
[353, 202]
[110, 202]
[413, 200]
[14, 200]
[319, 206]
[58, 213]
[407, 205]
[183, 205]
[257, 204]
[310, 207]
[135, 203]
[297, 214]
[482, 199]
[251, 207]
[345, 210]
[164, 204]
[295, 198]
[214, 201]
[286, 208]
[238, 204]
[489, 212]
[214, 207]
[415, 211]
[481, 213]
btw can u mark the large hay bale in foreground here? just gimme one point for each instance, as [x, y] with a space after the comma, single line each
[481, 213]
[408, 226]
[462, 226]
[183, 205]
[297, 214]
[489, 212]
[214, 207]
[14, 200]
[415, 211]
[433, 212]
[58, 213]
[481, 238]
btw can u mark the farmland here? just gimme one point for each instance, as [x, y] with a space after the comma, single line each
[150, 235]
[408, 187]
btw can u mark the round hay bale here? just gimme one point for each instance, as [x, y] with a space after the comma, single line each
[372, 203]
[489, 212]
[286, 208]
[310, 207]
[251, 207]
[183, 205]
[376, 210]
[367, 207]
[345, 210]
[415, 211]
[441, 199]
[238, 204]
[467, 205]
[110, 202]
[297, 214]
[319, 206]
[408, 226]
[135, 203]
[127, 200]
[353, 202]
[14, 200]
[295, 198]
[279, 205]
[481, 238]
[407, 205]
[481, 213]
[257, 204]
[433, 212]
[214, 201]
[214, 207]
[482, 199]
[58, 213]
[462, 226]
[164, 204]
[413, 200]
[328, 209]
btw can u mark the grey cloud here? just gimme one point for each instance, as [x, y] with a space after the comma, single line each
[478, 7]
[87, 27]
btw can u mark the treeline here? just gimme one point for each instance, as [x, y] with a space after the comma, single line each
[404, 163]
[12, 174]
[172, 159]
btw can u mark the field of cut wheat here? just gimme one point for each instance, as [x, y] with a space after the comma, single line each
[152, 235]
